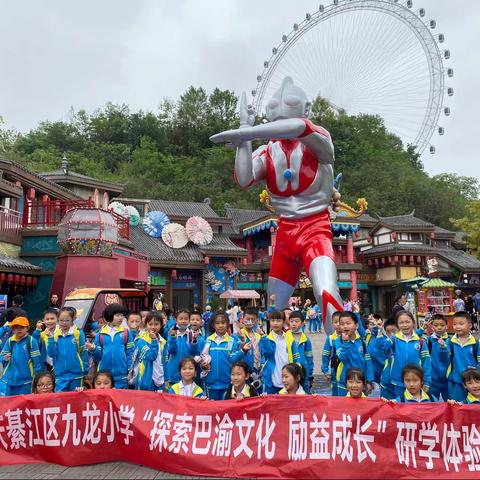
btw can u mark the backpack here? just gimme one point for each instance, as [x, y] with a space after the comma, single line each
[76, 335]
[335, 362]
[29, 345]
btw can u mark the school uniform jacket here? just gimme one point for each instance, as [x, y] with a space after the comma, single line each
[42, 339]
[327, 353]
[306, 356]
[115, 354]
[352, 353]
[249, 356]
[267, 350]
[178, 348]
[222, 356]
[462, 357]
[146, 353]
[196, 392]
[70, 359]
[402, 352]
[24, 362]
[377, 355]
[408, 398]
[440, 359]
[471, 399]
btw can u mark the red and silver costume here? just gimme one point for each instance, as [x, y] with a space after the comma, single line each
[297, 166]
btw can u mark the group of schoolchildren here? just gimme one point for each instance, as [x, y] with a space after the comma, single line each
[409, 365]
[149, 351]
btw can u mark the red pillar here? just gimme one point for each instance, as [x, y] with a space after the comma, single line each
[353, 273]
[249, 241]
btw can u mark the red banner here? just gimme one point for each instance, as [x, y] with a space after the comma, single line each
[276, 436]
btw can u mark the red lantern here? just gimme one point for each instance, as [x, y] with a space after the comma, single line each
[34, 281]
[10, 278]
[206, 260]
[45, 200]
[394, 236]
[395, 259]
[17, 279]
[174, 274]
[31, 194]
[23, 280]
[244, 260]
[432, 235]
[3, 277]
[29, 281]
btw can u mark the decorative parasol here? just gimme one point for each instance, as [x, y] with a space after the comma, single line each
[117, 207]
[199, 231]
[132, 212]
[154, 222]
[174, 235]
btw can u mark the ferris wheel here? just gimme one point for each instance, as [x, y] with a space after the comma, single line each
[367, 56]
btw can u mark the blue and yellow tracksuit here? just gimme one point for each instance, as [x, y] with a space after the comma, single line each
[440, 362]
[146, 352]
[196, 393]
[249, 392]
[179, 347]
[267, 350]
[327, 355]
[305, 351]
[351, 354]
[222, 355]
[406, 397]
[403, 352]
[377, 355]
[471, 399]
[114, 354]
[42, 340]
[461, 358]
[5, 334]
[70, 359]
[24, 363]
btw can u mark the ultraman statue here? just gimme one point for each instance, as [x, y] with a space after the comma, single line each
[297, 166]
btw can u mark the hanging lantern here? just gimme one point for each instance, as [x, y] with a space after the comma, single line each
[34, 281]
[3, 277]
[206, 260]
[244, 260]
[10, 278]
[174, 274]
[23, 279]
[395, 259]
[31, 194]
[17, 279]
[29, 281]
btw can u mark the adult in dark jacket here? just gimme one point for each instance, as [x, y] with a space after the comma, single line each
[14, 311]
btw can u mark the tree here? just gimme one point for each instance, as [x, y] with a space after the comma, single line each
[471, 225]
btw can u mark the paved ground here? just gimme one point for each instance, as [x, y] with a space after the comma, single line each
[121, 470]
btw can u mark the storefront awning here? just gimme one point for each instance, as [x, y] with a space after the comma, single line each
[240, 294]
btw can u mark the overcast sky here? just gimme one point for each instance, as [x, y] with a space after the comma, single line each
[59, 54]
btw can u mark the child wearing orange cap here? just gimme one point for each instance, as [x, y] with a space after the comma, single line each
[22, 359]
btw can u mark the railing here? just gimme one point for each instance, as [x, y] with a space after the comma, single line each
[10, 224]
[48, 214]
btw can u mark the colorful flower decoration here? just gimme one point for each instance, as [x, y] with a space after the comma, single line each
[118, 207]
[132, 212]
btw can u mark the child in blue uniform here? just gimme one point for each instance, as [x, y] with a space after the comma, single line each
[180, 344]
[250, 333]
[46, 326]
[377, 354]
[471, 382]
[464, 353]
[21, 359]
[239, 387]
[351, 351]
[328, 353]
[297, 324]
[293, 376]
[356, 383]
[218, 354]
[412, 376]
[150, 357]
[66, 348]
[405, 347]
[187, 386]
[438, 346]
[113, 347]
[277, 348]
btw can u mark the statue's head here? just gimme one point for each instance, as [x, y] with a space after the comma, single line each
[289, 101]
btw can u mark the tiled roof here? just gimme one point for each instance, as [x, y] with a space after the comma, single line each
[443, 232]
[161, 253]
[241, 216]
[460, 259]
[61, 173]
[368, 219]
[406, 221]
[436, 283]
[183, 209]
[400, 248]
[18, 263]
